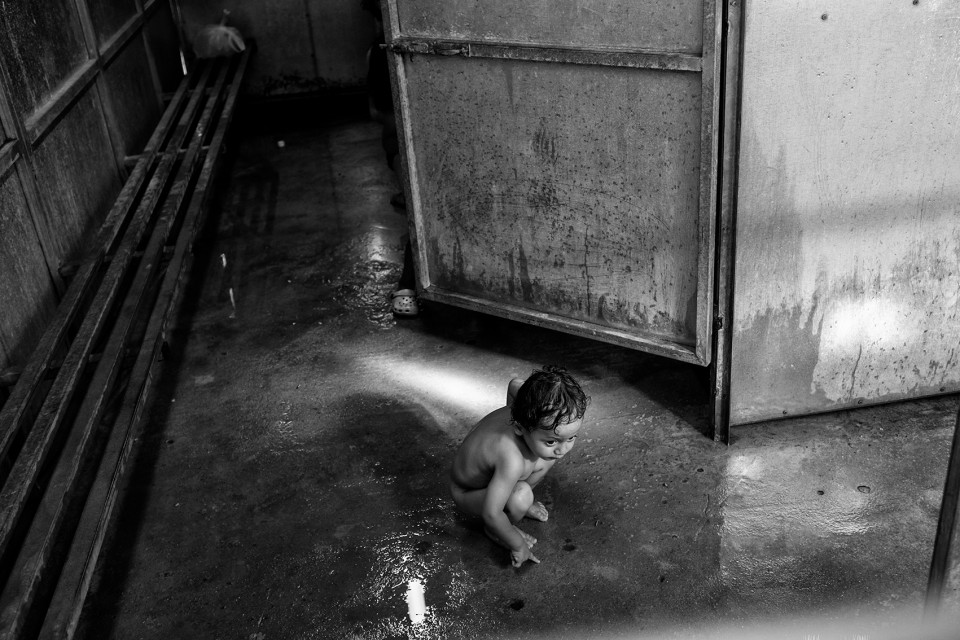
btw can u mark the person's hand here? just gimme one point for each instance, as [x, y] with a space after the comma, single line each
[517, 558]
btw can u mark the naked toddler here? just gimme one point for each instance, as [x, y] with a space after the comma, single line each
[511, 449]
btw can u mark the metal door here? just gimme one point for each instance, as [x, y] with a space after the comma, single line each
[560, 160]
[847, 287]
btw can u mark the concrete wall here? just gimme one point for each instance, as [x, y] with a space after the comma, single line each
[303, 46]
[847, 286]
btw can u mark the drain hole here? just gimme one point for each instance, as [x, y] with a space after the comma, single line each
[569, 547]
[863, 489]
[516, 605]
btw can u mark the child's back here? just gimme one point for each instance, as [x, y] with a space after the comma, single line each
[476, 459]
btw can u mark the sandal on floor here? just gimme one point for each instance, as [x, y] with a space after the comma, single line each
[405, 303]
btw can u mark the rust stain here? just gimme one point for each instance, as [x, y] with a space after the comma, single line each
[777, 355]
[526, 286]
[545, 144]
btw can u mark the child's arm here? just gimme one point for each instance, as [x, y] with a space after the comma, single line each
[505, 478]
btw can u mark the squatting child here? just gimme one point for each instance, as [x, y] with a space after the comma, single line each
[511, 449]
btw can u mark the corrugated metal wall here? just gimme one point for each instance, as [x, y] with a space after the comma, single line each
[303, 45]
[847, 286]
[81, 85]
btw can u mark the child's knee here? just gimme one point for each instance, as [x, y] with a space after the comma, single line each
[520, 500]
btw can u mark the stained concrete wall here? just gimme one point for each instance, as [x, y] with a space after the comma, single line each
[303, 46]
[847, 285]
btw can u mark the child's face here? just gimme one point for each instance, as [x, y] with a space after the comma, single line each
[552, 444]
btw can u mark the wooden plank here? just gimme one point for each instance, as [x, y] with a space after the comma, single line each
[111, 18]
[9, 154]
[25, 289]
[86, 25]
[43, 120]
[68, 603]
[17, 413]
[16, 417]
[13, 126]
[46, 48]
[76, 157]
[106, 108]
[118, 41]
[38, 444]
[31, 578]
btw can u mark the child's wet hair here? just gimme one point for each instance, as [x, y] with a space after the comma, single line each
[550, 397]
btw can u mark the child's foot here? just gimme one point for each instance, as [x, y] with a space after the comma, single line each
[537, 512]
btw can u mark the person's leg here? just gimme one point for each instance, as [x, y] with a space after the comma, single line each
[518, 504]
[536, 510]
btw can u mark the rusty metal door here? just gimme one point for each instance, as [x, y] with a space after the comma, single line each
[560, 160]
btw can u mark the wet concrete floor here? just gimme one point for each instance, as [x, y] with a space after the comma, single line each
[291, 480]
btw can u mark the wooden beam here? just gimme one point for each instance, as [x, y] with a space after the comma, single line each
[34, 572]
[19, 410]
[14, 127]
[27, 468]
[42, 121]
[96, 523]
[9, 154]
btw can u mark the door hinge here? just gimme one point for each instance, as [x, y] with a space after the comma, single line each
[430, 47]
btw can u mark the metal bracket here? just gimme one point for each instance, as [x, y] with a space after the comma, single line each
[430, 47]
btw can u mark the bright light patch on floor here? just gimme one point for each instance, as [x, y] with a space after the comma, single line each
[416, 601]
[743, 467]
[379, 242]
[462, 389]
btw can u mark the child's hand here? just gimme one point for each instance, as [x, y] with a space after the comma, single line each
[519, 557]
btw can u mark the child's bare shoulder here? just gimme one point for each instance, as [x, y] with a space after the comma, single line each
[497, 430]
